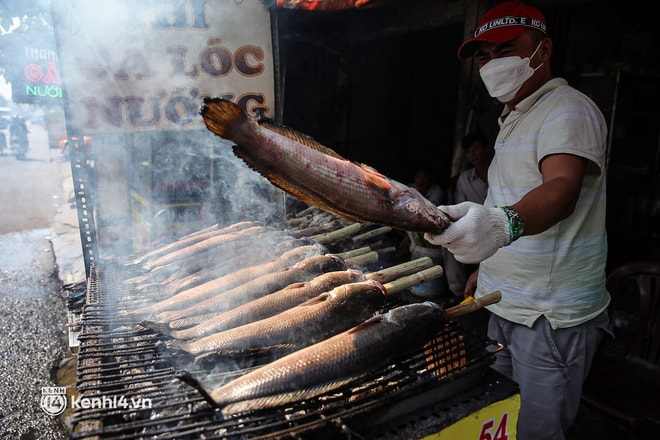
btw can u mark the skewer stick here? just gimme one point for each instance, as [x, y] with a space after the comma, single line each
[339, 234]
[361, 260]
[386, 250]
[354, 252]
[407, 282]
[409, 267]
[474, 305]
[373, 233]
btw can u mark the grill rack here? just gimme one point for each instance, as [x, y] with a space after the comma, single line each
[120, 361]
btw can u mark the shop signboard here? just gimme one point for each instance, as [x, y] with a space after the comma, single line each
[135, 66]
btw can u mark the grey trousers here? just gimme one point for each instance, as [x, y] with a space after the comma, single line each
[549, 367]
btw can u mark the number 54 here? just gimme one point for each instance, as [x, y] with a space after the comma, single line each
[501, 433]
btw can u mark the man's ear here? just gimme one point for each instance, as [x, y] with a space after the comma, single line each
[546, 48]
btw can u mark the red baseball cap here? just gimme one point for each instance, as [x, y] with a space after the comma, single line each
[503, 22]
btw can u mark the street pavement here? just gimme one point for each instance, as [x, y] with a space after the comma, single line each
[41, 253]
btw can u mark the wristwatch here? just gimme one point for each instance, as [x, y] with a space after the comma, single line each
[516, 223]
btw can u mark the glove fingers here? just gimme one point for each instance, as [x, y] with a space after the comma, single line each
[455, 211]
[436, 239]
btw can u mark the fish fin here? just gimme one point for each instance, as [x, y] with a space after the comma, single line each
[220, 115]
[377, 180]
[301, 138]
[296, 285]
[275, 400]
[378, 285]
[366, 324]
[174, 348]
[189, 321]
[370, 169]
[322, 297]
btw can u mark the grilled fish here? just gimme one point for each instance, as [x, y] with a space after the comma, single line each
[312, 321]
[190, 239]
[271, 304]
[303, 270]
[317, 175]
[333, 362]
[197, 248]
[232, 280]
[213, 268]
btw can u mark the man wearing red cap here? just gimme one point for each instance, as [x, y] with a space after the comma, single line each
[540, 235]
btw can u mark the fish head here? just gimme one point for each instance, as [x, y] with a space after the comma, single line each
[360, 293]
[429, 313]
[356, 275]
[333, 262]
[411, 207]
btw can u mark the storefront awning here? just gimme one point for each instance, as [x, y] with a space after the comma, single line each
[323, 5]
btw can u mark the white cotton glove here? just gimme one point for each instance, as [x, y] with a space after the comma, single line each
[475, 233]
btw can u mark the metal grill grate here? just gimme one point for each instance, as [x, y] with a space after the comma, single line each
[130, 389]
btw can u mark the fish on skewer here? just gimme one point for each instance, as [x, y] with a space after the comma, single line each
[269, 305]
[189, 239]
[314, 320]
[230, 281]
[210, 267]
[295, 294]
[340, 359]
[317, 175]
[159, 268]
[303, 270]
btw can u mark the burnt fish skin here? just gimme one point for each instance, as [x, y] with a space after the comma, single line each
[333, 362]
[316, 319]
[318, 175]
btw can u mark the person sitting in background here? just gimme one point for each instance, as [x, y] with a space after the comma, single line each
[471, 186]
[429, 189]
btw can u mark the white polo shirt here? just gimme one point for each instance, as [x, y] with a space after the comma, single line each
[559, 273]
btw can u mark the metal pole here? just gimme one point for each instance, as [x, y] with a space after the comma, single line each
[80, 174]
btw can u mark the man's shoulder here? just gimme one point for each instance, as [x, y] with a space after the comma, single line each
[559, 95]
[560, 90]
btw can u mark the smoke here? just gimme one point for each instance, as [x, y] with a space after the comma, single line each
[134, 75]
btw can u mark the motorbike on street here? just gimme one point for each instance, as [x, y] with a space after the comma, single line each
[18, 138]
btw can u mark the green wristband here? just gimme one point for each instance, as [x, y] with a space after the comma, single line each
[516, 224]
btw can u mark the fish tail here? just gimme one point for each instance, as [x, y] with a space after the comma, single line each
[189, 379]
[220, 115]
[158, 327]
[175, 348]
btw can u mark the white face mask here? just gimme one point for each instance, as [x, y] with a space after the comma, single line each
[503, 77]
